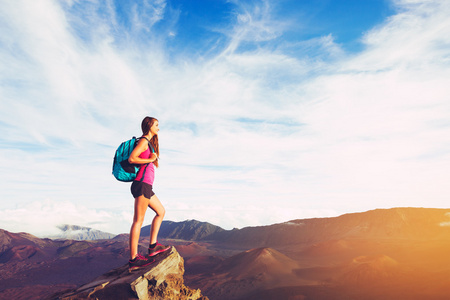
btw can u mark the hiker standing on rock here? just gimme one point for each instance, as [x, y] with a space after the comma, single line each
[146, 154]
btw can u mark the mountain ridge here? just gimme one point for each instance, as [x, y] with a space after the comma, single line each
[186, 230]
[393, 223]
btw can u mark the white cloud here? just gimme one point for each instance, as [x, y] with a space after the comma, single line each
[247, 137]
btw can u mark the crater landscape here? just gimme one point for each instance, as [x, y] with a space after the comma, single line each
[398, 253]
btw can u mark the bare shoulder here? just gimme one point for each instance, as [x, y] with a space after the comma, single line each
[142, 144]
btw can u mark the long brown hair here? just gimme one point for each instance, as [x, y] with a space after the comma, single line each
[147, 123]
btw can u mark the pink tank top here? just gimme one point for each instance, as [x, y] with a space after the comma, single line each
[147, 171]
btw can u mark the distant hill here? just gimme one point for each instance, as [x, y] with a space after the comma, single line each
[80, 233]
[251, 270]
[190, 230]
[395, 223]
[257, 262]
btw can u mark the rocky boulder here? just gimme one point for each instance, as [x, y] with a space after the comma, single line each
[161, 280]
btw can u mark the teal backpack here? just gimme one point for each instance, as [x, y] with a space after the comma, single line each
[122, 169]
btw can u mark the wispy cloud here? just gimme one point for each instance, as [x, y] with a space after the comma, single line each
[264, 129]
[254, 23]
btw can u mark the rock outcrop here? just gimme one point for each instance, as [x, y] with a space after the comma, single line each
[161, 280]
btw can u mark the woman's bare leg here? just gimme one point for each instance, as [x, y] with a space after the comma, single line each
[140, 207]
[158, 208]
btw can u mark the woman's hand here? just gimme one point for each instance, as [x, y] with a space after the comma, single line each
[153, 157]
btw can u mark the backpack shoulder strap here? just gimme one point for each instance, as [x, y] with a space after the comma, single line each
[150, 145]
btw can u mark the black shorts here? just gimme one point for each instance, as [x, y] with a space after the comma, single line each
[139, 188]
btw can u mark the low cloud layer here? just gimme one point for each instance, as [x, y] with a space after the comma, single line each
[43, 218]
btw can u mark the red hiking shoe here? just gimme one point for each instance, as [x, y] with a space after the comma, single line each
[157, 249]
[139, 262]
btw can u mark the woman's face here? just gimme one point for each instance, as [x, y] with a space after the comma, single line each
[154, 129]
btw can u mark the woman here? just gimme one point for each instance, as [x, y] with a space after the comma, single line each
[146, 154]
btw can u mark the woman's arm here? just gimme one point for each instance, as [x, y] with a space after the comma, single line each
[141, 147]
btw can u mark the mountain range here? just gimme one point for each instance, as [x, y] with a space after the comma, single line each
[395, 223]
[398, 253]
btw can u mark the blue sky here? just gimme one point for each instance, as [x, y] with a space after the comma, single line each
[269, 110]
